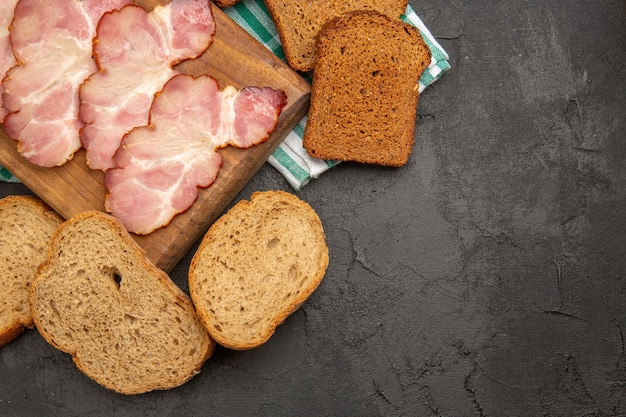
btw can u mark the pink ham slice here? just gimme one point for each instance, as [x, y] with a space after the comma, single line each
[135, 51]
[161, 166]
[52, 43]
[7, 59]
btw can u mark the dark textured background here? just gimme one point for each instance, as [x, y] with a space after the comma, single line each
[487, 277]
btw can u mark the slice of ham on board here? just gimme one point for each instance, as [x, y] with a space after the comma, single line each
[7, 59]
[52, 43]
[161, 166]
[135, 51]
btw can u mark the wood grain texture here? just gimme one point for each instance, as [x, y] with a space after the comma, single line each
[234, 58]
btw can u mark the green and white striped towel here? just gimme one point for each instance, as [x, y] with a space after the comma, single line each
[290, 158]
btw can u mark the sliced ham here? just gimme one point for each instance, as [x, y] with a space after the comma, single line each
[52, 43]
[7, 59]
[161, 166]
[135, 51]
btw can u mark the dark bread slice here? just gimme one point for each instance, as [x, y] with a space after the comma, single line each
[365, 90]
[125, 323]
[26, 227]
[299, 21]
[255, 266]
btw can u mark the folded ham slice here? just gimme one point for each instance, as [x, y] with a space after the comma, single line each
[135, 51]
[161, 166]
[52, 43]
[7, 59]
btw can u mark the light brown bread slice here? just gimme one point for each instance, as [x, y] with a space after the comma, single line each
[125, 323]
[299, 21]
[26, 227]
[365, 90]
[255, 266]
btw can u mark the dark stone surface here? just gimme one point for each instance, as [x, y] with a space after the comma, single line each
[484, 278]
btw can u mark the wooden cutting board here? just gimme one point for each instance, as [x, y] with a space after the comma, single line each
[234, 58]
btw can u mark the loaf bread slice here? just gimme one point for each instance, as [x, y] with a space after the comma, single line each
[255, 266]
[299, 21]
[125, 323]
[26, 227]
[365, 90]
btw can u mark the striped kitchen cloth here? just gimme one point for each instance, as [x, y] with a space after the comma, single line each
[290, 158]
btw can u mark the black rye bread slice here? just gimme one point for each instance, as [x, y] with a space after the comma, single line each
[299, 21]
[365, 90]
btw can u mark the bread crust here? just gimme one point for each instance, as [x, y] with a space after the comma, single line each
[12, 331]
[226, 3]
[242, 301]
[122, 308]
[299, 21]
[365, 90]
[28, 224]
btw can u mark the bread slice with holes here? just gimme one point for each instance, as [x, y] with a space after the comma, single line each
[26, 227]
[125, 323]
[365, 90]
[255, 266]
[299, 21]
